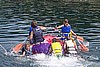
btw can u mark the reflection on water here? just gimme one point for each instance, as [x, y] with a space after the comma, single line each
[15, 20]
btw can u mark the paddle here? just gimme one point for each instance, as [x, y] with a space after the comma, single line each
[83, 47]
[19, 46]
[80, 38]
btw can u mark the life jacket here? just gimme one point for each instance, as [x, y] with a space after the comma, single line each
[37, 35]
[65, 30]
[57, 48]
[41, 48]
[71, 46]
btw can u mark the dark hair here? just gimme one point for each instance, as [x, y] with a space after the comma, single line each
[33, 23]
[66, 20]
[53, 40]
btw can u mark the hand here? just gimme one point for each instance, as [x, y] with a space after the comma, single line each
[55, 28]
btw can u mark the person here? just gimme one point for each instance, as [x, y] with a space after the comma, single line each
[29, 49]
[26, 50]
[56, 48]
[66, 30]
[67, 33]
[35, 33]
[37, 43]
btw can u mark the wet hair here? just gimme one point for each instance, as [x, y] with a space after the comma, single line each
[27, 45]
[66, 21]
[53, 40]
[33, 23]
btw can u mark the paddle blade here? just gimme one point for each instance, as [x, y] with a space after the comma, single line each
[17, 48]
[84, 48]
[80, 38]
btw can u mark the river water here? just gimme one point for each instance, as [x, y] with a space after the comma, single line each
[15, 18]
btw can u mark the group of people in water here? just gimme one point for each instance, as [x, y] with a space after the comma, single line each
[37, 42]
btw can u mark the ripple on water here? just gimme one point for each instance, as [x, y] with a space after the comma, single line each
[13, 28]
[96, 24]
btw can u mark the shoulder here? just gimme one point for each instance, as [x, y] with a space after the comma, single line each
[31, 28]
[69, 25]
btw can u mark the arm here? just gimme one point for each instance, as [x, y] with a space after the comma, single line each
[23, 54]
[42, 27]
[73, 33]
[59, 26]
[31, 37]
[30, 33]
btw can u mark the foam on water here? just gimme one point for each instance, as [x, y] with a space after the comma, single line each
[51, 61]
[86, 43]
[42, 60]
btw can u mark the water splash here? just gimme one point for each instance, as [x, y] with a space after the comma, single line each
[86, 43]
[93, 57]
[52, 61]
[91, 64]
[11, 53]
[5, 51]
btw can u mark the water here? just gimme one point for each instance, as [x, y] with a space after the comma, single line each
[15, 18]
